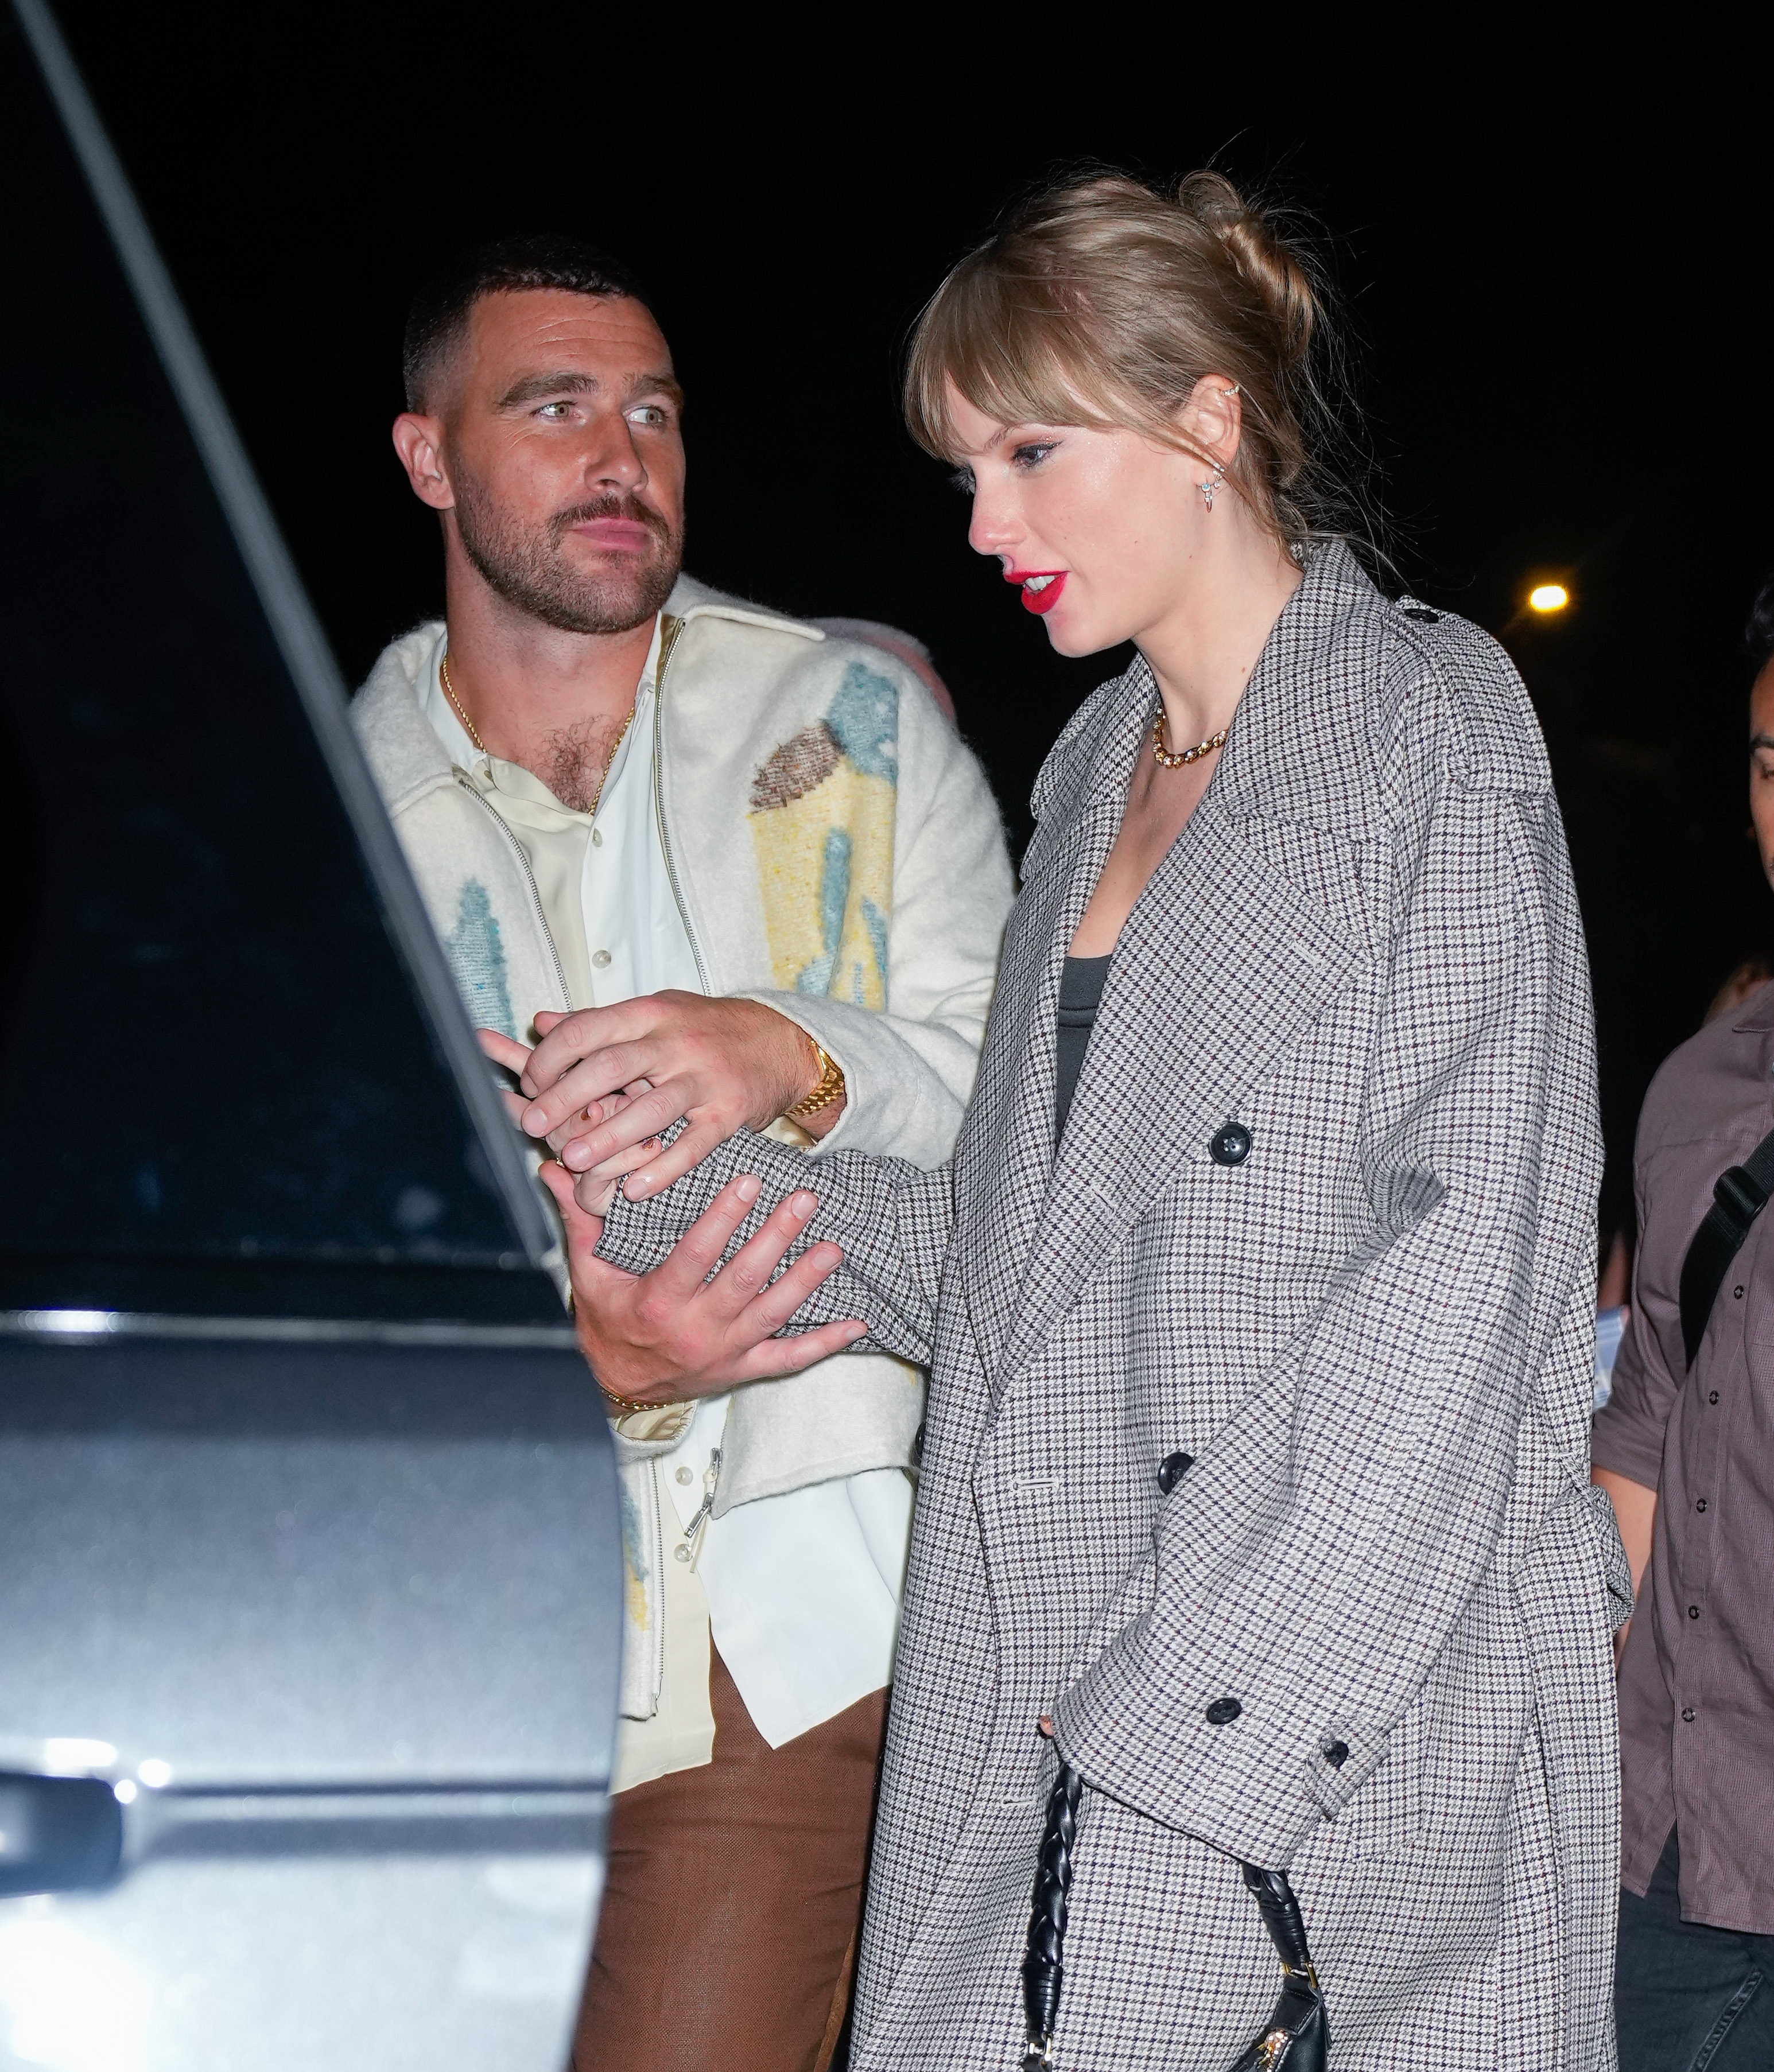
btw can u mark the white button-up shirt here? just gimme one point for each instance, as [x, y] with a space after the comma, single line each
[800, 1591]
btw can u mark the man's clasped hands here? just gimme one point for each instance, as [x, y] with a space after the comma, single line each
[602, 1088]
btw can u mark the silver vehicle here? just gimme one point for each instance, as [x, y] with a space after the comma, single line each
[309, 1549]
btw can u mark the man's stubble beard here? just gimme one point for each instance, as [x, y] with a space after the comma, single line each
[528, 570]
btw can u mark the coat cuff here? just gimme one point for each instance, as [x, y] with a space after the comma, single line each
[1234, 1768]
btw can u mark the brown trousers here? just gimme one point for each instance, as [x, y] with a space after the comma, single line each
[728, 1930]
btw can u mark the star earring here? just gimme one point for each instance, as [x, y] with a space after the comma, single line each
[1215, 481]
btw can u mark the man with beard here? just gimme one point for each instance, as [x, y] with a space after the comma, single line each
[742, 875]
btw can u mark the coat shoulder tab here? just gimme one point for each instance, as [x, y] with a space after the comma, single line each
[1455, 682]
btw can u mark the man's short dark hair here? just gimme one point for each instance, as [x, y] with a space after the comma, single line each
[438, 319]
[1759, 635]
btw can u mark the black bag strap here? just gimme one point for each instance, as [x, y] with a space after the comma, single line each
[1738, 1196]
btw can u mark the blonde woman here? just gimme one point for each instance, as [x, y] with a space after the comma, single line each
[1254, 1576]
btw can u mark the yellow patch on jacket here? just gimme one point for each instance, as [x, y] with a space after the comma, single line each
[822, 821]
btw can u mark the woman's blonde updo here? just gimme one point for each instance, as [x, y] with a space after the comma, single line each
[1102, 302]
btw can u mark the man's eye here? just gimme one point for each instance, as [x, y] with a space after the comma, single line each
[555, 412]
[962, 479]
[649, 414]
[1032, 456]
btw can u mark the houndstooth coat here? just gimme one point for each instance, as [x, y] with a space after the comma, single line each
[1373, 1335]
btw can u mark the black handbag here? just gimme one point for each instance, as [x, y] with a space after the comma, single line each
[1295, 2038]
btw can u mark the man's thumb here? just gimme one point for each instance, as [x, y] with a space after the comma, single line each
[582, 1230]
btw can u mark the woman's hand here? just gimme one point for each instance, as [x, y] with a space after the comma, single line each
[604, 1084]
[674, 1334]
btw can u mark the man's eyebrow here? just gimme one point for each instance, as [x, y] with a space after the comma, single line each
[657, 385]
[533, 385]
[1761, 741]
[575, 382]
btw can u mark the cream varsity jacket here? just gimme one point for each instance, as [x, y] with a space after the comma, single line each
[836, 854]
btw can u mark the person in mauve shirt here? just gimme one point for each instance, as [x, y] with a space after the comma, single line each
[1686, 1454]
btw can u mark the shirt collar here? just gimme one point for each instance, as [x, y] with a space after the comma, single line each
[447, 726]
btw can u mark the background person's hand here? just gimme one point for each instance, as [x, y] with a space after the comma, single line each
[673, 1334]
[722, 1065]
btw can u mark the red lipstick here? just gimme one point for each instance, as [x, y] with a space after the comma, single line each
[1052, 582]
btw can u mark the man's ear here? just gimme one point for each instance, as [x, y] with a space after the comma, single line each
[419, 441]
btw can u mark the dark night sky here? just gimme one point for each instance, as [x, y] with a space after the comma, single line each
[1554, 244]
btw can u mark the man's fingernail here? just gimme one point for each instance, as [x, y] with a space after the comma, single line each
[852, 1332]
[638, 1187]
[574, 1156]
[802, 1204]
[536, 1122]
[747, 1186]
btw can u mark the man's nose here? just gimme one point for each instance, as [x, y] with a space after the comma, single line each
[612, 458]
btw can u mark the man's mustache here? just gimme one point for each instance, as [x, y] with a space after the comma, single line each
[630, 508]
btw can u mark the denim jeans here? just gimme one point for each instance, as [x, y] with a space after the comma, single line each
[1687, 1998]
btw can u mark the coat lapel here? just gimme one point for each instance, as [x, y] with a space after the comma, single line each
[1222, 967]
[1004, 1158]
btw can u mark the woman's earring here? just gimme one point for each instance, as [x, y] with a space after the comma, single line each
[1210, 488]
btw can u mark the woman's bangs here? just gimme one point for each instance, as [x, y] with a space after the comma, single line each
[997, 350]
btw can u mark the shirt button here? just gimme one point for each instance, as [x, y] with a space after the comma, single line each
[1738, 1293]
[684, 1477]
[1693, 1611]
[1713, 1395]
[1687, 1713]
[682, 1553]
[1223, 1711]
[600, 958]
[1701, 1504]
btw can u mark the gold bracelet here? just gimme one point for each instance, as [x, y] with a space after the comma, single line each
[831, 1087]
[623, 1404]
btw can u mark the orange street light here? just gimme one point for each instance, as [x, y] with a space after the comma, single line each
[1548, 597]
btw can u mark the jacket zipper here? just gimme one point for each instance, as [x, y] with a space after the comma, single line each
[659, 815]
[535, 891]
[705, 1510]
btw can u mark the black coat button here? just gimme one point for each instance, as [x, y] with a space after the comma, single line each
[1421, 611]
[1171, 1469]
[1223, 1711]
[1231, 1146]
[1335, 1754]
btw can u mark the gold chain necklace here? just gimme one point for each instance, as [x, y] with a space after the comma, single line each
[1176, 761]
[450, 692]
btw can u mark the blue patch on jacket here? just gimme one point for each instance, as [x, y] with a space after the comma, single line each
[477, 957]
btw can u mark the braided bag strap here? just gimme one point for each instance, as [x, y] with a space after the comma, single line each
[1042, 1970]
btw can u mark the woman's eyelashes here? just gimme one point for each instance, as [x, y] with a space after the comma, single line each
[1032, 455]
[962, 479]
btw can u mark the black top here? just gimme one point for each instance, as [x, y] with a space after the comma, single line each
[1080, 994]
